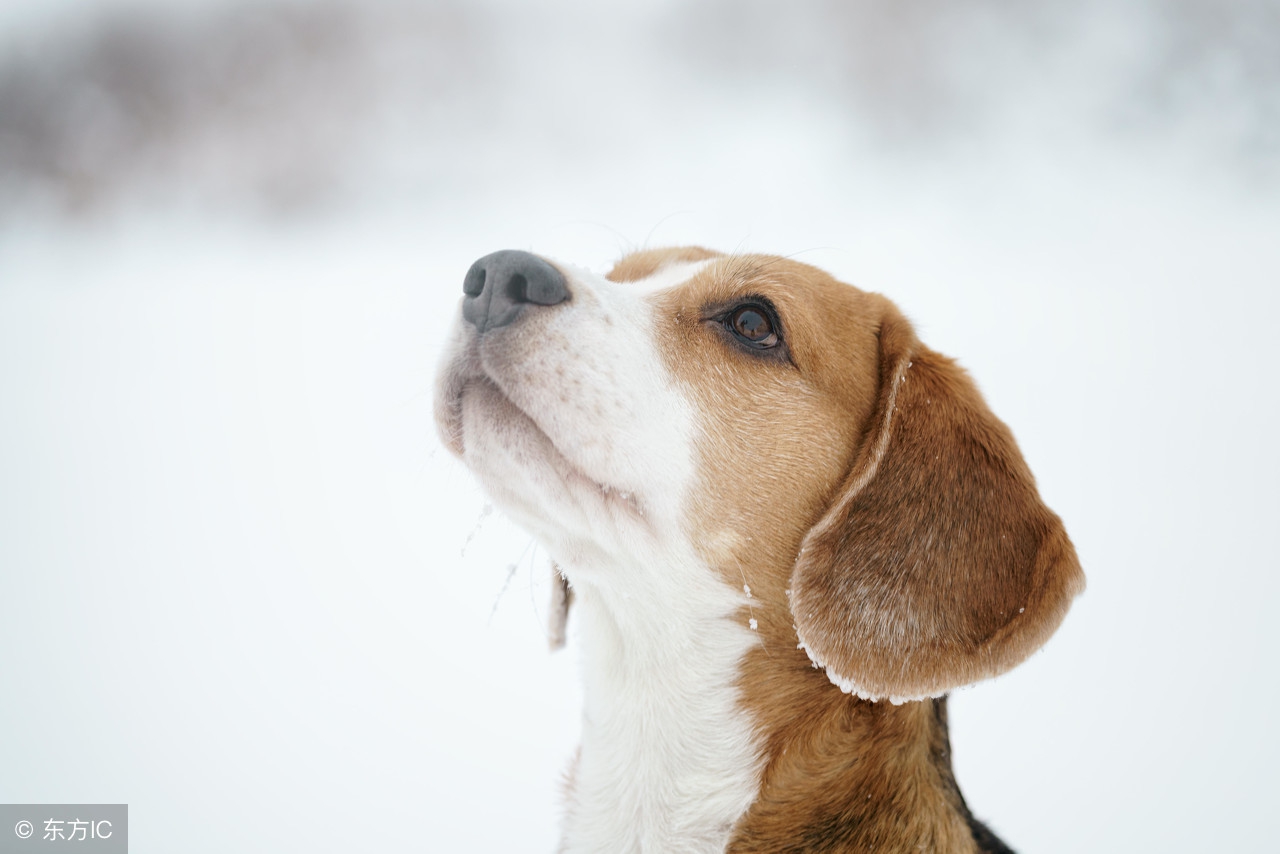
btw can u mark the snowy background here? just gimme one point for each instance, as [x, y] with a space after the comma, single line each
[243, 590]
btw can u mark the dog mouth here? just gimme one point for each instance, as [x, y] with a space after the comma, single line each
[478, 385]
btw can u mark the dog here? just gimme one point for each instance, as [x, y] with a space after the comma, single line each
[789, 529]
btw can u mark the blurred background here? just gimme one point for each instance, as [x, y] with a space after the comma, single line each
[242, 588]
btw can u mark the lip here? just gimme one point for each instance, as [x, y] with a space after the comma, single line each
[467, 376]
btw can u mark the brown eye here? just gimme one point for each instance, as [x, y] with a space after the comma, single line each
[753, 326]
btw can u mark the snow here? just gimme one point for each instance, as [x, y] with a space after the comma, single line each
[237, 589]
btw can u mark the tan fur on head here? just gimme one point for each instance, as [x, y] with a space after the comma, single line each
[937, 565]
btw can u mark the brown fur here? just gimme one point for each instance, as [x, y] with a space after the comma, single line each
[857, 776]
[646, 262]
[938, 565]
[868, 499]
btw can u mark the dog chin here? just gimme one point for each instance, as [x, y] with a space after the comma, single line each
[521, 465]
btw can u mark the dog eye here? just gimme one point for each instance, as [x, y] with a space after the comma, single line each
[753, 326]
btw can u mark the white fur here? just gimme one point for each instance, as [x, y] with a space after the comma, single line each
[576, 429]
[669, 761]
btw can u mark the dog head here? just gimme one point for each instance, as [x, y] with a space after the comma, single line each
[788, 430]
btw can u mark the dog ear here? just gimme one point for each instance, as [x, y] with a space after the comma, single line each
[936, 564]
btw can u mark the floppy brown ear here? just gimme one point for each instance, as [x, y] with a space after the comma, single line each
[937, 563]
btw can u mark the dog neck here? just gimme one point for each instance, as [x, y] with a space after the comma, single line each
[842, 773]
[853, 775]
[668, 760]
[675, 756]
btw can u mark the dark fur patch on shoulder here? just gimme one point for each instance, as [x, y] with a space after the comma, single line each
[988, 842]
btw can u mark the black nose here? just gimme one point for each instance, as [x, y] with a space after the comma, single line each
[500, 285]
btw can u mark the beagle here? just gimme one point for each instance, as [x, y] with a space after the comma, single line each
[789, 528]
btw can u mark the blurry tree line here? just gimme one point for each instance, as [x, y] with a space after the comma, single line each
[282, 103]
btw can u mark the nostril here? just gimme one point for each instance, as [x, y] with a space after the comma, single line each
[518, 288]
[473, 284]
[546, 290]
